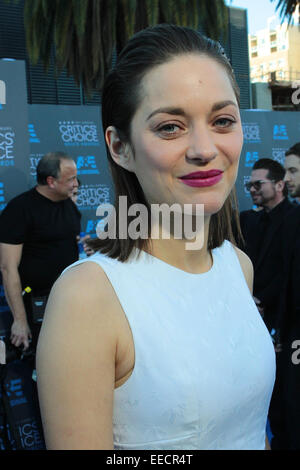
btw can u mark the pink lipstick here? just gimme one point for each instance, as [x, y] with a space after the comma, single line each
[201, 179]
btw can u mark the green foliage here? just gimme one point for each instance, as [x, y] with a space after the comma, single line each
[287, 8]
[85, 33]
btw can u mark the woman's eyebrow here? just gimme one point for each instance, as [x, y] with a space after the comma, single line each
[222, 104]
[179, 111]
[167, 110]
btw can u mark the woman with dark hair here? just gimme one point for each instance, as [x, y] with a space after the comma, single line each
[153, 343]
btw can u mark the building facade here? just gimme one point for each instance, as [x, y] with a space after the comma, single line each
[275, 53]
[275, 60]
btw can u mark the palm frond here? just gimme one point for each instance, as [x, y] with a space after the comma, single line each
[63, 22]
[129, 10]
[181, 12]
[152, 8]
[193, 14]
[79, 8]
[108, 38]
[167, 9]
[215, 18]
[86, 32]
[287, 8]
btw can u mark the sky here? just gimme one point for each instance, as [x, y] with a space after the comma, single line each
[258, 12]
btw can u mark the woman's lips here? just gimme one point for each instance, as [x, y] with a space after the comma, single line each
[200, 179]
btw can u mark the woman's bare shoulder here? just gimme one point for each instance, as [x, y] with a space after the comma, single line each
[81, 272]
[84, 279]
[247, 267]
[83, 290]
[76, 358]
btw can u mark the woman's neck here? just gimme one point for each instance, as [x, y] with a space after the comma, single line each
[188, 255]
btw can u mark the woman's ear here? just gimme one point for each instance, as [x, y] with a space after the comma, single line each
[120, 151]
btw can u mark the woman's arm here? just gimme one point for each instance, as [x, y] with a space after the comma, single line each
[76, 362]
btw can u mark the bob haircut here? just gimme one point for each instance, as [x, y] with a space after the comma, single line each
[121, 97]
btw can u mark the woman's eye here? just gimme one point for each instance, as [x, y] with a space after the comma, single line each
[224, 122]
[169, 129]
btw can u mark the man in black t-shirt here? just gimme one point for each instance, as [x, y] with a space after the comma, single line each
[38, 231]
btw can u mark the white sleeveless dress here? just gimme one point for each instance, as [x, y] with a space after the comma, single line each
[204, 361]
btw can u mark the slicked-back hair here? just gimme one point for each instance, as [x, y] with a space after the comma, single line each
[276, 171]
[122, 94]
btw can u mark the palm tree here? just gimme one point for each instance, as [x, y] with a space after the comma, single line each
[85, 33]
[287, 8]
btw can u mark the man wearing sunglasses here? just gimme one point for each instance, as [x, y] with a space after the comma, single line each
[264, 232]
[263, 235]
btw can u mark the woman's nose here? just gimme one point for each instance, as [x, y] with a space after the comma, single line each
[201, 147]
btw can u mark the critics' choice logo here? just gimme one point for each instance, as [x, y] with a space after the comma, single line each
[34, 160]
[2, 199]
[251, 133]
[251, 158]
[32, 134]
[90, 196]
[7, 139]
[78, 133]
[246, 180]
[30, 435]
[86, 165]
[27, 429]
[92, 225]
[15, 393]
[280, 132]
[278, 154]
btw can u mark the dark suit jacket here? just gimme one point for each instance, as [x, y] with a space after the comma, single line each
[291, 299]
[290, 332]
[267, 256]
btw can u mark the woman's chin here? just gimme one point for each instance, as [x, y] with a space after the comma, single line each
[213, 207]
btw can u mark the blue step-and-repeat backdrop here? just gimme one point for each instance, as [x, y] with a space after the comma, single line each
[27, 132]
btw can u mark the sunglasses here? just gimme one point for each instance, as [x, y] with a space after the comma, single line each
[256, 184]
